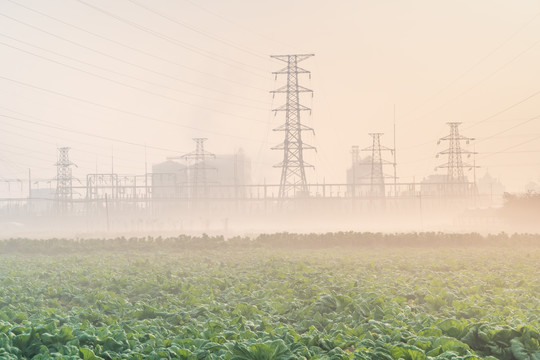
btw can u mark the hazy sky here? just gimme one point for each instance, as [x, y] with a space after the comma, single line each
[109, 77]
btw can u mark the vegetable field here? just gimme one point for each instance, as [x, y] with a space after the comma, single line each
[155, 301]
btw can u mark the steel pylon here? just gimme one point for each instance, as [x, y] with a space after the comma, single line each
[198, 157]
[293, 181]
[377, 183]
[64, 179]
[455, 152]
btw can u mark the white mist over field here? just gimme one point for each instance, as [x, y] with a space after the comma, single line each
[127, 85]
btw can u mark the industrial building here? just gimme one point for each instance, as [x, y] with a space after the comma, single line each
[222, 176]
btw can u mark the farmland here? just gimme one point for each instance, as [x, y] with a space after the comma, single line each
[202, 298]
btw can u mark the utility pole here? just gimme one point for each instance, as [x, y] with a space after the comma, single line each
[455, 177]
[293, 176]
[64, 180]
[377, 175]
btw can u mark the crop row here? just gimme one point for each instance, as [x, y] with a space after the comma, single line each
[260, 303]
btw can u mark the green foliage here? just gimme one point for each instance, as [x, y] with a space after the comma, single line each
[270, 350]
[266, 303]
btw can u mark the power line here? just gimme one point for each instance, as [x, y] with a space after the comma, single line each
[194, 29]
[514, 152]
[121, 111]
[219, 16]
[110, 71]
[19, 165]
[241, 66]
[55, 145]
[503, 120]
[504, 151]
[168, 76]
[130, 86]
[492, 116]
[497, 48]
[152, 55]
[497, 165]
[45, 123]
[510, 128]
[26, 136]
[27, 154]
[504, 110]
[486, 77]
[508, 136]
[62, 128]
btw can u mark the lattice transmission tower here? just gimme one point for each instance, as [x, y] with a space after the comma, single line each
[64, 179]
[293, 176]
[199, 179]
[455, 164]
[377, 183]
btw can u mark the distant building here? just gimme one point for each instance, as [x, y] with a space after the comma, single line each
[169, 180]
[42, 201]
[359, 177]
[222, 176]
[230, 169]
[433, 185]
[438, 185]
[228, 173]
[490, 191]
